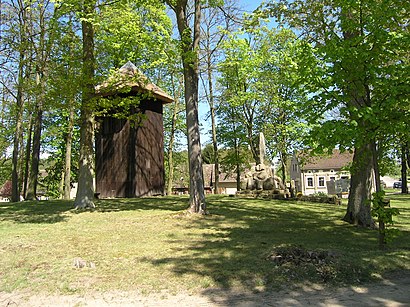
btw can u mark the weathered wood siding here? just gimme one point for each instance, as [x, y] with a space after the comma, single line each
[130, 159]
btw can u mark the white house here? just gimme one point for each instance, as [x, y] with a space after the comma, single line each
[327, 174]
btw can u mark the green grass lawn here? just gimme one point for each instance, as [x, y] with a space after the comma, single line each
[150, 244]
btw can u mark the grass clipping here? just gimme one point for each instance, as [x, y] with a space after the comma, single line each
[297, 263]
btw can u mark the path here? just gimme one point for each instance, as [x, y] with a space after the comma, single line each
[390, 292]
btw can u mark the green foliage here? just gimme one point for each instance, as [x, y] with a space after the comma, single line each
[354, 70]
[384, 213]
[181, 170]
[136, 31]
[233, 158]
[320, 194]
[208, 154]
[259, 76]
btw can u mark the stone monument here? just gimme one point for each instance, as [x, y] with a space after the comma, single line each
[261, 178]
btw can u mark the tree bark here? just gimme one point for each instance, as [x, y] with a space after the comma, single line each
[238, 166]
[27, 157]
[213, 124]
[358, 90]
[38, 120]
[190, 46]
[35, 156]
[211, 101]
[15, 193]
[404, 164]
[358, 207]
[85, 191]
[171, 146]
[67, 164]
[42, 50]
[283, 158]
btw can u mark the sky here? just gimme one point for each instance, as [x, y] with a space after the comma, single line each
[250, 5]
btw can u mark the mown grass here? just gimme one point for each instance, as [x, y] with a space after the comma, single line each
[150, 244]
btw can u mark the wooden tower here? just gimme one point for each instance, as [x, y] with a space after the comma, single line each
[129, 155]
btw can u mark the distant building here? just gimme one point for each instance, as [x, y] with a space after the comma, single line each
[227, 180]
[326, 174]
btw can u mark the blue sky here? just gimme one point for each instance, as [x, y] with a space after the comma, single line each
[250, 5]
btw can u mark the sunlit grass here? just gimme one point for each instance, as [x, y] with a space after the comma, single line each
[151, 244]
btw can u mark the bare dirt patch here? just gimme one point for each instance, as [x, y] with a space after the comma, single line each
[391, 291]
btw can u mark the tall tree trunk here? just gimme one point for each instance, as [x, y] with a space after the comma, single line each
[358, 90]
[211, 101]
[27, 157]
[213, 124]
[35, 157]
[377, 181]
[404, 164]
[196, 187]
[358, 207]
[408, 163]
[170, 182]
[283, 158]
[178, 88]
[253, 142]
[171, 147]
[85, 191]
[15, 193]
[67, 164]
[42, 51]
[238, 166]
[191, 77]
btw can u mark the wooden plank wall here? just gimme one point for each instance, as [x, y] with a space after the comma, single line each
[130, 159]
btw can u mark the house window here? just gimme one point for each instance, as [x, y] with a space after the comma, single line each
[310, 182]
[321, 181]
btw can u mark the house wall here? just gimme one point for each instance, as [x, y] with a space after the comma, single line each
[311, 181]
[130, 157]
[227, 187]
[316, 181]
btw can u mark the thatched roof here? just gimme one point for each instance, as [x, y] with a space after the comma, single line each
[130, 80]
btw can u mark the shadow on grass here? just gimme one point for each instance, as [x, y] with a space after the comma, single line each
[35, 211]
[246, 233]
[232, 246]
[172, 203]
[401, 198]
[54, 211]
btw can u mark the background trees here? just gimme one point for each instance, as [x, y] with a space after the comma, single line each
[357, 69]
[42, 60]
[333, 76]
[261, 92]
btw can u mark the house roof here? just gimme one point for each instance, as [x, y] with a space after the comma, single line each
[337, 160]
[209, 175]
[130, 77]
